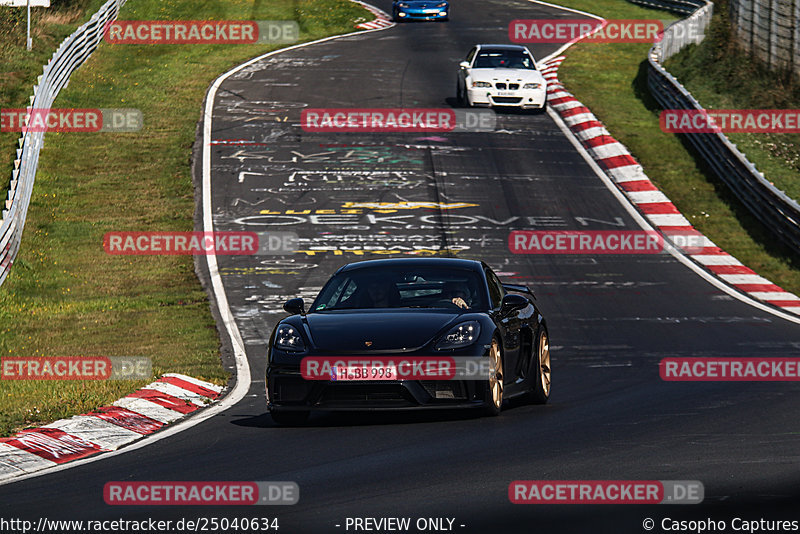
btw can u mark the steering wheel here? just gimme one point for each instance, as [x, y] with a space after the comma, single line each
[450, 303]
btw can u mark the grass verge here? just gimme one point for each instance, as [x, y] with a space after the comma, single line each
[617, 93]
[65, 296]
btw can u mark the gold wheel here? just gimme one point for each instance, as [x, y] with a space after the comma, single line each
[496, 378]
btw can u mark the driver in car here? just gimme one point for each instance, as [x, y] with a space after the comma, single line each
[457, 295]
[379, 294]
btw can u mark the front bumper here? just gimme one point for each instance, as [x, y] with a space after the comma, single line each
[422, 14]
[288, 390]
[521, 98]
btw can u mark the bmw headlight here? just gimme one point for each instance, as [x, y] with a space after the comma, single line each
[481, 84]
[288, 338]
[531, 86]
[462, 335]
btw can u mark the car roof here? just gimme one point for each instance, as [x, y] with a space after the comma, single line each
[503, 46]
[453, 263]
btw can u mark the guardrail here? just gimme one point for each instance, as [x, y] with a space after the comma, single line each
[683, 7]
[74, 50]
[771, 206]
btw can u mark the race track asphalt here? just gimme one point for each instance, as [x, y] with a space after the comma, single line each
[612, 318]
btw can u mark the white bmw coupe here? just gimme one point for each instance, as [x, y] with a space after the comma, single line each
[501, 75]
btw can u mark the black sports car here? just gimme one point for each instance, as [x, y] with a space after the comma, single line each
[374, 319]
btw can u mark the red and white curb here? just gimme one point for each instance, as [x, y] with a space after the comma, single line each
[129, 419]
[382, 19]
[615, 160]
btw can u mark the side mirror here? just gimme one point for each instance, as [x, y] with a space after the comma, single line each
[295, 306]
[512, 302]
[464, 64]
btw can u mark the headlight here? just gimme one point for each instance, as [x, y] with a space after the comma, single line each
[288, 338]
[402, 4]
[443, 4]
[481, 84]
[461, 335]
[531, 86]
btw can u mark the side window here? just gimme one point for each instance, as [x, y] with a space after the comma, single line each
[348, 291]
[336, 294]
[471, 55]
[496, 290]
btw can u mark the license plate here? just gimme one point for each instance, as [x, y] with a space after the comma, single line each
[430, 10]
[505, 93]
[364, 373]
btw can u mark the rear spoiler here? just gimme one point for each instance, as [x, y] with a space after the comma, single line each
[519, 289]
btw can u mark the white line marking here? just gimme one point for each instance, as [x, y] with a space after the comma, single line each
[560, 50]
[149, 409]
[774, 295]
[628, 173]
[580, 118]
[677, 254]
[569, 104]
[97, 431]
[716, 259]
[180, 393]
[591, 133]
[647, 197]
[609, 150]
[14, 461]
[667, 219]
[739, 279]
[560, 94]
[196, 382]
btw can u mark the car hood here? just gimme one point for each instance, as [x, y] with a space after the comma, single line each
[508, 75]
[421, 4]
[387, 330]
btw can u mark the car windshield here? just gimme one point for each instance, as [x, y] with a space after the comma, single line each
[503, 59]
[386, 287]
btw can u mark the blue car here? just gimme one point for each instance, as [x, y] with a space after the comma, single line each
[420, 10]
